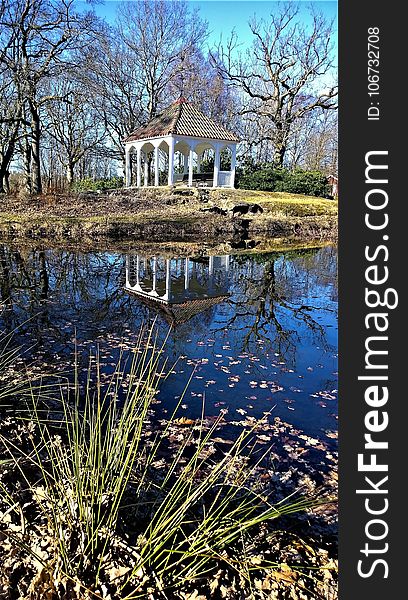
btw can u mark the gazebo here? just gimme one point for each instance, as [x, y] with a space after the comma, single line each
[184, 130]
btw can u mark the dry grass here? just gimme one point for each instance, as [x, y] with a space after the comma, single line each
[164, 214]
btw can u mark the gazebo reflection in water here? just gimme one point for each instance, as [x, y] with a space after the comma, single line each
[179, 287]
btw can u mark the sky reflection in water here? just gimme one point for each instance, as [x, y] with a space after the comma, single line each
[258, 331]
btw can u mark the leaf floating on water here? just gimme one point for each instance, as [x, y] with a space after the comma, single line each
[184, 421]
[220, 440]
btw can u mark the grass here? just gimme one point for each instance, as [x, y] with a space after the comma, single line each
[295, 205]
[100, 505]
[151, 213]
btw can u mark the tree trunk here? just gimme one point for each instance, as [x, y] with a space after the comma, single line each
[70, 173]
[27, 164]
[7, 181]
[36, 187]
[5, 284]
[6, 159]
[279, 154]
[280, 143]
[3, 186]
[44, 280]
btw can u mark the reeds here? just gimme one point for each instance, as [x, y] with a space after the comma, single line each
[119, 518]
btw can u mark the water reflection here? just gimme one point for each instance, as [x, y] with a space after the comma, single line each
[179, 287]
[258, 331]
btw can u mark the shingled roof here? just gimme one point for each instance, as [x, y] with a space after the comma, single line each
[182, 118]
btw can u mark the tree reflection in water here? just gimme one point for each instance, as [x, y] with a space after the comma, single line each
[278, 309]
[273, 294]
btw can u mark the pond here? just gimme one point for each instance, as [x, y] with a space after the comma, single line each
[255, 332]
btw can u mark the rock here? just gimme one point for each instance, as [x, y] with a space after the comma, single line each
[203, 195]
[215, 209]
[245, 209]
[177, 192]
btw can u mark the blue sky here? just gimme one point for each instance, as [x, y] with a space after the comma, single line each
[225, 15]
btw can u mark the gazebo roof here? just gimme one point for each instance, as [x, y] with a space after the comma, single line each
[182, 118]
[181, 312]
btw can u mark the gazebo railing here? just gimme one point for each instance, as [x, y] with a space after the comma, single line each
[224, 178]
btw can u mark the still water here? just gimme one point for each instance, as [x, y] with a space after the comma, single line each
[255, 331]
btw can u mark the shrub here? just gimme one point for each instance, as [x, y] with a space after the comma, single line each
[93, 185]
[270, 179]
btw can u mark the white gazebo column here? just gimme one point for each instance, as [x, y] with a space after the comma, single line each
[210, 273]
[137, 271]
[190, 167]
[156, 166]
[210, 265]
[198, 163]
[168, 280]
[216, 165]
[146, 170]
[154, 272]
[138, 167]
[128, 172]
[186, 273]
[227, 262]
[233, 165]
[127, 271]
[171, 161]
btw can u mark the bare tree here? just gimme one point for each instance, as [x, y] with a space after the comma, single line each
[313, 142]
[281, 77]
[73, 125]
[200, 83]
[42, 35]
[115, 89]
[11, 103]
[160, 34]
[11, 118]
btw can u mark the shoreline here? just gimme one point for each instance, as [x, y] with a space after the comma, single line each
[164, 214]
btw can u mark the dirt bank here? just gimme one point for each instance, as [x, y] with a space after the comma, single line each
[163, 214]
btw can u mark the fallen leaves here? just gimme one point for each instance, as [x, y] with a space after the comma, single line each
[184, 421]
